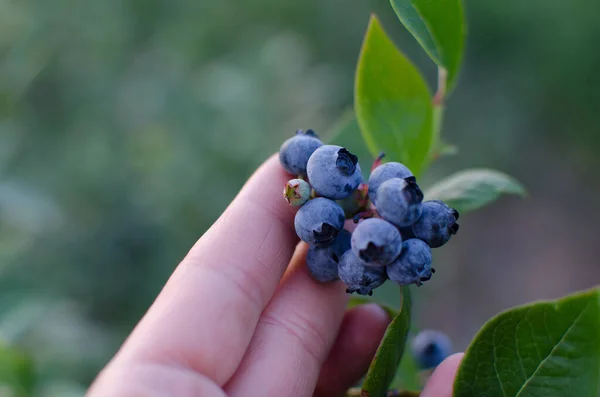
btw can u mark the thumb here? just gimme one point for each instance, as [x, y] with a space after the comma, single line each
[442, 379]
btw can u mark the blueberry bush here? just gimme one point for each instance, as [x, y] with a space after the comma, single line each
[87, 203]
[543, 349]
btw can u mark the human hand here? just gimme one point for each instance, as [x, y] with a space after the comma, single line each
[240, 316]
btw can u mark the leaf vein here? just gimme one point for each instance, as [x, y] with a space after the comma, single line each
[524, 386]
[517, 345]
[496, 360]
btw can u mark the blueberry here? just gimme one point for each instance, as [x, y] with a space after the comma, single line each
[430, 348]
[359, 277]
[296, 192]
[376, 242]
[323, 262]
[295, 152]
[384, 172]
[399, 202]
[413, 266]
[318, 221]
[334, 172]
[436, 224]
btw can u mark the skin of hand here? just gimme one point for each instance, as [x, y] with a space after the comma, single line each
[240, 316]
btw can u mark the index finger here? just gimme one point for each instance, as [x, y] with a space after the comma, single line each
[205, 316]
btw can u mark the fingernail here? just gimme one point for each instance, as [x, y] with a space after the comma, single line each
[378, 312]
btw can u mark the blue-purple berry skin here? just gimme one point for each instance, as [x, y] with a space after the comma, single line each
[399, 202]
[436, 224]
[319, 221]
[359, 277]
[295, 152]
[322, 261]
[430, 348]
[376, 242]
[384, 172]
[334, 172]
[413, 266]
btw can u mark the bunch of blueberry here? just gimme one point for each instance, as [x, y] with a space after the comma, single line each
[398, 229]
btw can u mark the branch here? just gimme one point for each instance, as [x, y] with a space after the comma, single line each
[357, 392]
[440, 95]
[438, 112]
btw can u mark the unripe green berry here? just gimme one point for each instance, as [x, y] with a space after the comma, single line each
[296, 192]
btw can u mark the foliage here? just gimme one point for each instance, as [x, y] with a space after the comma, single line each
[17, 373]
[392, 102]
[391, 349]
[542, 349]
[439, 27]
[547, 348]
[471, 189]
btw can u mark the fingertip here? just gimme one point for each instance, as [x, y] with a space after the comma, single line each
[365, 326]
[442, 380]
[270, 172]
[359, 336]
[265, 188]
[373, 314]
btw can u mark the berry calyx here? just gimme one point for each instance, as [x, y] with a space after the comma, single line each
[346, 162]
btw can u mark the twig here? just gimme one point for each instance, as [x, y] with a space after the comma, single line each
[370, 213]
[440, 95]
[438, 102]
[377, 161]
[357, 392]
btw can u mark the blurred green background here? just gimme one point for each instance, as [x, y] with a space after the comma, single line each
[126, 126]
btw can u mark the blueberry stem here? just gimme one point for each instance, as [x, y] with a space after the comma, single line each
[440, 95]
[363, 195]
[356, 392]
[364, 215]
[438, 110]
[377, 161]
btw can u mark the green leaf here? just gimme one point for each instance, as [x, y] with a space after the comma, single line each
[545, 349]
[385, 363]
[407, 377]
[16, 371]
[392, 102]
[471, 189]
[439, 26]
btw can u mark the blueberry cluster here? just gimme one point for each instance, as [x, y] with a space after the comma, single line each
[398, 229]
